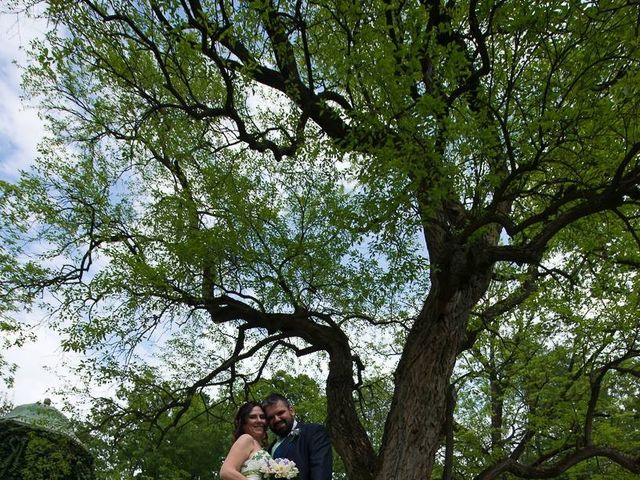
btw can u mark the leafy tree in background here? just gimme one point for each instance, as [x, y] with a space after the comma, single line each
[12, 334]
[303, 392]
[443, 192]
[130, 441]
[5, 405]
[563, 373]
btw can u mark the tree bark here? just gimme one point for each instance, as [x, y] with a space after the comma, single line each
[348, 436]
[418, 412]
[497, 404]
[447, 471]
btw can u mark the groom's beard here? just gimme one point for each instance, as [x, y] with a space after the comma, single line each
[282, 428]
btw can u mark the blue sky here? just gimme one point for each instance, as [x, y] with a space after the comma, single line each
[40, 363]
[20, 128]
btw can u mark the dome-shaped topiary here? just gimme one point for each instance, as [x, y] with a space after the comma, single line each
[38, 444]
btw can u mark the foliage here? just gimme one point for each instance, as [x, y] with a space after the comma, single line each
[5, 405]
[442, 194]
[45, 460]
[302, 391]
[128, 442]
[188, 443]
[29, 453]
[563, 372]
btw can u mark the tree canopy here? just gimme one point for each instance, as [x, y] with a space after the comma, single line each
[435, 204]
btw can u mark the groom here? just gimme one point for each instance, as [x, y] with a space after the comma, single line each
[307, 444]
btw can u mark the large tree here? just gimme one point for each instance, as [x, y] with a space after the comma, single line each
[408, 181]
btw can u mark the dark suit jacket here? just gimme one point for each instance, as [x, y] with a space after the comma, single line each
[310, 449]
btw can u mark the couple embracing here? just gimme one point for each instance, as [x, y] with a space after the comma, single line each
[305, 448]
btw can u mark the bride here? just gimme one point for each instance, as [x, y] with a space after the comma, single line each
[247, 454]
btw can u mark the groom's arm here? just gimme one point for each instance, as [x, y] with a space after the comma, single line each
[320, 455]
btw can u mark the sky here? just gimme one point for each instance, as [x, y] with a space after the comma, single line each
[40, 363]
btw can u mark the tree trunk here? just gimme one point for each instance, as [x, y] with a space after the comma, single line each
[348, 436]
[497, 404]
[415, 425]
[414, 428]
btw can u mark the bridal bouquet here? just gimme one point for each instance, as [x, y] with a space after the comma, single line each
[280, 468]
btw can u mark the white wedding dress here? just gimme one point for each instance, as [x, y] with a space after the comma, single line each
[251, 468]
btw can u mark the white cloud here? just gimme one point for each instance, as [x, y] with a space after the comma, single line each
[42, 365]
[20, 127]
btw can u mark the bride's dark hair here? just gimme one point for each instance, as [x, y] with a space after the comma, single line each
[242, 416]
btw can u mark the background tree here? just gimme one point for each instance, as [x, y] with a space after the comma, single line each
[555, 379]
[389, 181]
[129, 440]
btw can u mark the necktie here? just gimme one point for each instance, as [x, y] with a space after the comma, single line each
[277, 444]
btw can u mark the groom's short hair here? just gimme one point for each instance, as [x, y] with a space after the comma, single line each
[274, 398]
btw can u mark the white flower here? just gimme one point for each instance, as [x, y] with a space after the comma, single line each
[295, 432]
[280, 468]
